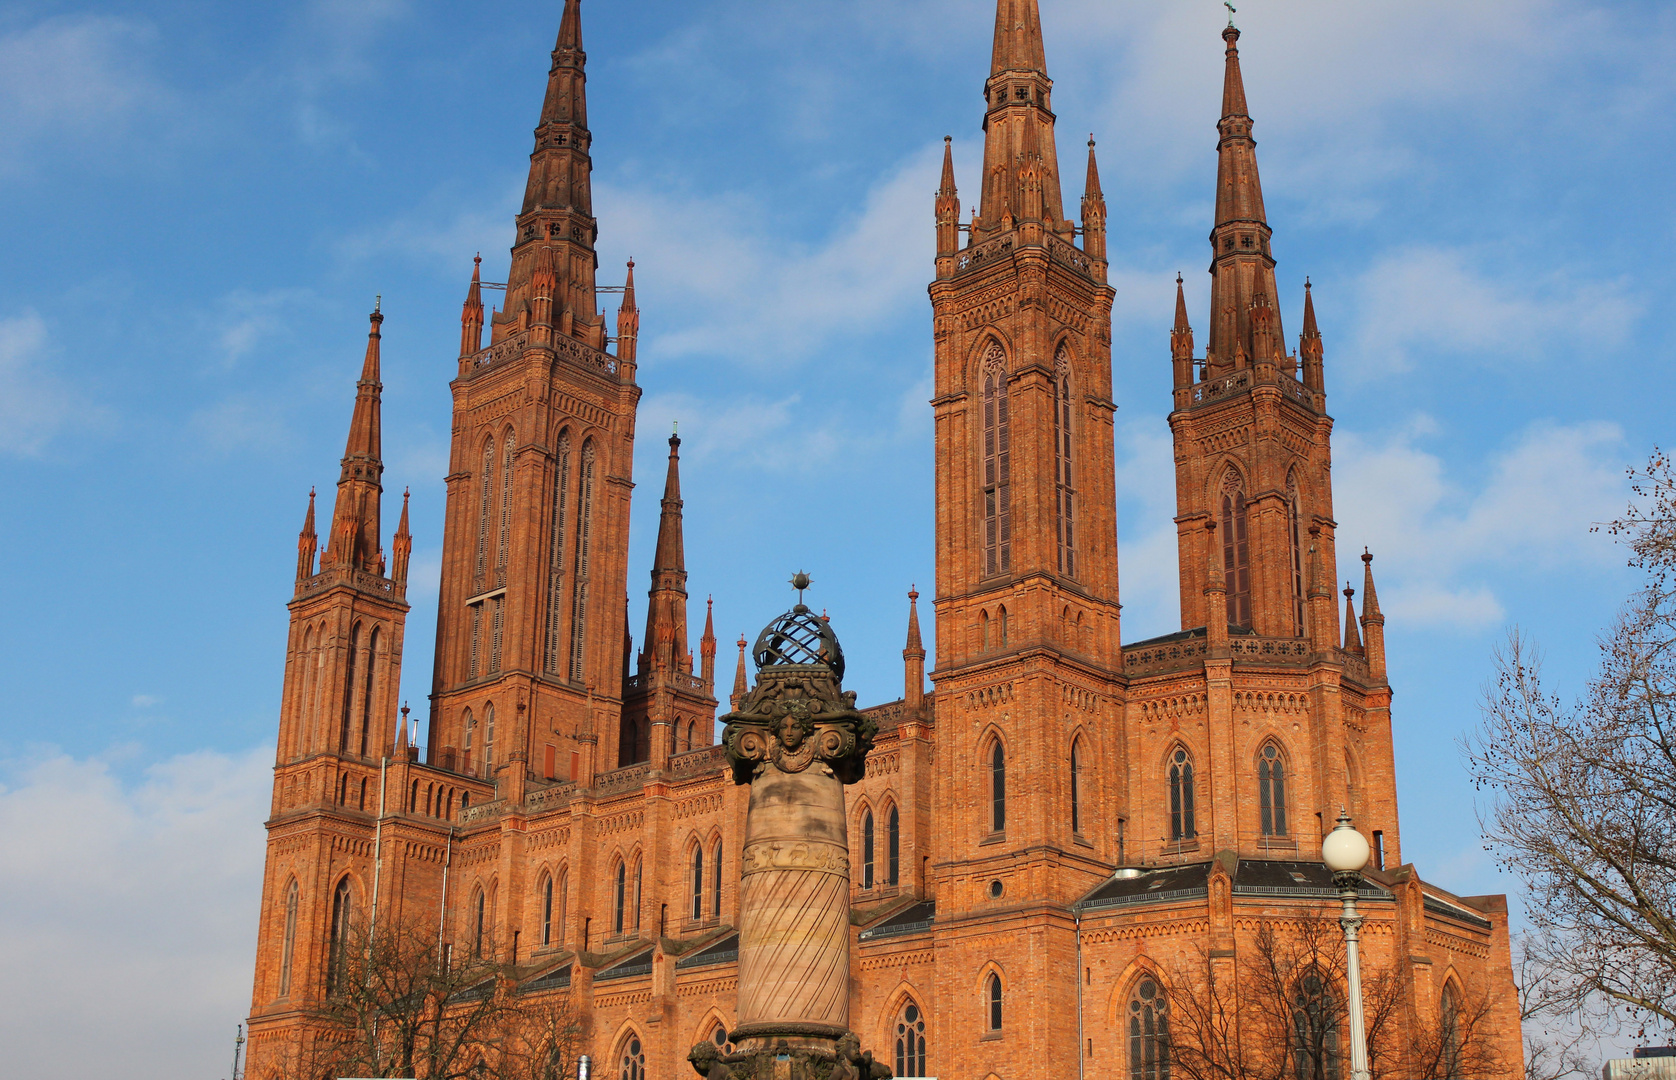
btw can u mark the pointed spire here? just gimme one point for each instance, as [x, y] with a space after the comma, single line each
[948, 206]
[1373, 621]
[1233, 83]
[307, 543]
[628, 326]
[402, 546]
[913, 659]
[1309, 345]
[355, 516]
[707, 647]
[1370, 600]
[471, 313]
[1021, 163]
[1018, 38]
[1352, 640]
[570, 26]
[665, 644]
[739, 685]
[1181, 341]
[1093, 209]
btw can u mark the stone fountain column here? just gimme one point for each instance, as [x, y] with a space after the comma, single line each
[797, 740]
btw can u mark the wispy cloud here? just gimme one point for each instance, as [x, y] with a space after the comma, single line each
[34, 402]
[111, 885]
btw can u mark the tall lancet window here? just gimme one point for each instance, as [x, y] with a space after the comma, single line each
[1064, 507]
[1271, 790]
[485, 507]
[341, 916]
[1236, 550]
[290, 946]
[997, 465]
[1182, 825]
[489, 734]
[349, 687]
[504, 548]
[367, 689]
[584, 544]
[555, 568]
[1294, 527]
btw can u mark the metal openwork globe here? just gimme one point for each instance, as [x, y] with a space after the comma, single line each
[799, 637]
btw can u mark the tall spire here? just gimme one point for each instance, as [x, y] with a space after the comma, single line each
[471, 313]
[1021, 163]
[1241, 265]
[1181, 341]
[1093, 209]
[665, 644]
[1352, 640]
[628, 325]
[1309, 345]
[401, 547]
[913, 659]
[558, 201]
[307, 543]
[948, 205]
[1373, 621]
[739, 684]
[707, 646]
[355, 534]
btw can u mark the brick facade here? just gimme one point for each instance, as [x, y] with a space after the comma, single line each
[554, 751]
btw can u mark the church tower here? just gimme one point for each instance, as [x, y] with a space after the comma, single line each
[531, 622]
[1252, 435]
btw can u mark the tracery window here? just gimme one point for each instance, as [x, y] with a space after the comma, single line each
[997, 788]
[1076, 786]
[1271, 785]
[1315, 1022]
[1182, 826]
[1149, 1032]
[1294, 524]
[555, 568]
[997, 465]
[698, 881]
[341, 914]
[1064, 494]
[503, 549]
[893, 848]
[634, 1059]
[290, 946]
[867, 850]
[1236, 550]
[910, 1040]
[719, 1036]
[584, 548]
[992, 1001]
[486, 502]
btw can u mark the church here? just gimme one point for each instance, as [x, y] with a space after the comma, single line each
[1058, 843]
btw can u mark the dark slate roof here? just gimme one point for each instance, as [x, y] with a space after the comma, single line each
[1252, 877]
[1163, 885]
[724, 950]
[910, 920]
[552, 979]
[636, 963]
[1183, 635]
[1439, 906]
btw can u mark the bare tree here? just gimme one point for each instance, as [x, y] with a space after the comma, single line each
[1555, 1033]
[1582, 798]
[398, 1004]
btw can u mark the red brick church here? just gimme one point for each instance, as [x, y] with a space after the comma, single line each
[1046, 839]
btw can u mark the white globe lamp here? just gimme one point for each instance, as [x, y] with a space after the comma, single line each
[1345, 850]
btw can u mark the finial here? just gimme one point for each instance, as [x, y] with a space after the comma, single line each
[1178, 277]
[478, 258]
[1366, 556]
[948, 139]
[1229, 4]
[675, 427]
[631, 262]
[801, 581]
[378, 303]
[1348, 591]
[1091, 140]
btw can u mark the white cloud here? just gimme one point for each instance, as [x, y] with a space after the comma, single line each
[239, 423]
[128, 913]
[1444, 546]
[145, 701]
[34, 402]
[1430, 301]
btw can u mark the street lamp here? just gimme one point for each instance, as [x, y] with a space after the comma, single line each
[1345, 851]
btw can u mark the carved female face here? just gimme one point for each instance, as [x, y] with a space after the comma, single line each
[791, 732]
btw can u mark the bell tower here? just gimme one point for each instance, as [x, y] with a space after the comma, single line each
[1252, 435]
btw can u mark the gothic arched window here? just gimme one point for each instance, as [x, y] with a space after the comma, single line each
[479, 919]
[1315, 1021]
[1294, 527]
[867, 850]
[639, 868]
[555, 565]
[546, 909]
[1076, 786]
[1271, 789]
[349, 686]
[1182, 826]
[997, 787]
[698, 881]
[485, 506]
[367, 689]
[342, 903]
[621, 905]
[1001, 624]
[716, 879]
[992, 1001]
[504, 547]
[488, 737]
[290, 946]
[893, 848]
[718, 1035]
[469, 725]
[1064, 497]
[983, 629]
[910, 1040]
[1149, 1032]
[584, 549]
[634, 1059]
[1236, 550]
[997, 465]
[563, 909]
[1449, 1030]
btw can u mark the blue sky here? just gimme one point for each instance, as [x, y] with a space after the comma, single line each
[202, 199]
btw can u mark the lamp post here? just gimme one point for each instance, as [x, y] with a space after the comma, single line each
[1345, 851]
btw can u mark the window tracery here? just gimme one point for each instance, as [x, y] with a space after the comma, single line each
[1236, 549]
[997, 464]
[910, 1040]
[1149, 1032]
[1182, 825]
[1271, 785]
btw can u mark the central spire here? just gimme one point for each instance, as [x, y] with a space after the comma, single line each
[354, 537]
[1021, 164]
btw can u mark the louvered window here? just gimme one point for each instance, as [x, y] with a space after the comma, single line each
[503, 550]
[486, 500]
[555, 572]
[497, 614]
[997, 466]
[1064, 493]
[476, 639]
[1294, 513]
[584, 543]
[1236, 551]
